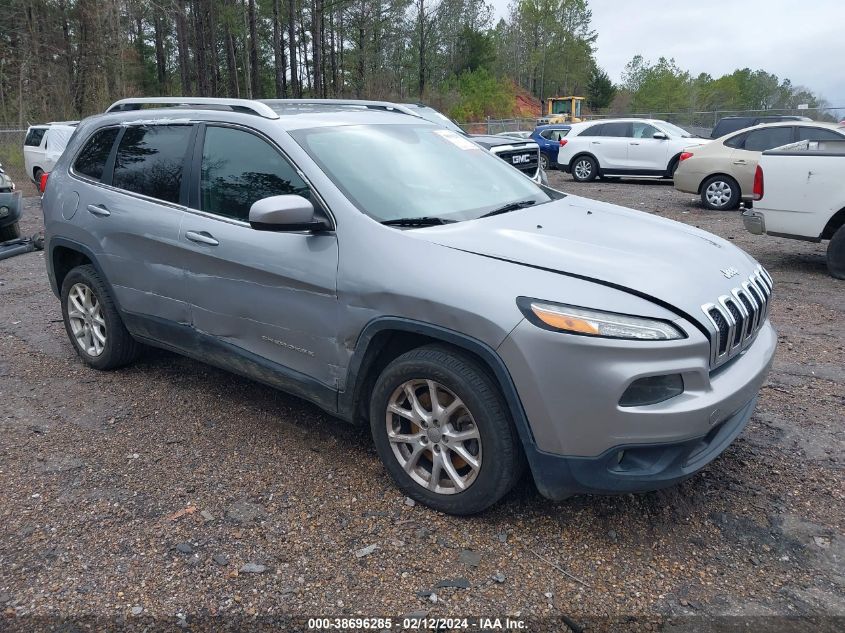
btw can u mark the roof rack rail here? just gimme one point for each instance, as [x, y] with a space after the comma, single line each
[237, 105]
[361, 103]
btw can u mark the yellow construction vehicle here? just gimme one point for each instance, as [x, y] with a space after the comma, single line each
[561, 110]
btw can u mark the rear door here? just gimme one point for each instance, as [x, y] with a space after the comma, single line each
[646, 153]
[745, 157]
[611, 148]
[268, 294]
[133, 208]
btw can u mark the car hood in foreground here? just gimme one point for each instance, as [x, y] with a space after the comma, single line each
[677, 265]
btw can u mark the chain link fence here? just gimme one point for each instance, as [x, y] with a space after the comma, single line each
[11, 158]
[697, 122]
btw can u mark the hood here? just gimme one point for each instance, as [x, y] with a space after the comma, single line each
[489, 141]
[675, 264]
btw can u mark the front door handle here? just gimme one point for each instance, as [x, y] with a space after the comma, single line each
[202, 237]
[634, 143]
[595, 143]
[98, 210]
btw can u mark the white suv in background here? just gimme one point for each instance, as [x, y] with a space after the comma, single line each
[43, 146]
[644, 148]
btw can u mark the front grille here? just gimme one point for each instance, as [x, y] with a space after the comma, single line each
[526, 158]
[738, 316]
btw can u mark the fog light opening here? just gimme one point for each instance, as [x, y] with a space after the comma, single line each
[651, 390]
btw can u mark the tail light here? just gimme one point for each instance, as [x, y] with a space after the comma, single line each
[43, 184]
[684, 156]
[757, 192]
[563, 142]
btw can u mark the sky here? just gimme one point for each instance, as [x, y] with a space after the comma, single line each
[803, 40]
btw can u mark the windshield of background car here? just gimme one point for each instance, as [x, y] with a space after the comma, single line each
[674, 130]
[415, 170]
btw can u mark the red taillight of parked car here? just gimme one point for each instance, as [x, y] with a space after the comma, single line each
[757, 192]
[42, 185]
[563, 142]
[684, 156]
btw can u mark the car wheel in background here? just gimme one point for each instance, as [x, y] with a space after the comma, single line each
[10, 232]
[584, 169]
[673, 167]
[37, 175]
[443, 432]
[544, 162]
[836, 254]
[720, 193]
[92, 321]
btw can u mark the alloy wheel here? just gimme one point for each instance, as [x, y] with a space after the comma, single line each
[86, 319]
[583, 169]
[433, 436]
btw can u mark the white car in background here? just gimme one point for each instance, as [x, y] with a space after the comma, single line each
[43, 145]
[642, 148]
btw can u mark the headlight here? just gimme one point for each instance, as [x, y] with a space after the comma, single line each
[574, 320]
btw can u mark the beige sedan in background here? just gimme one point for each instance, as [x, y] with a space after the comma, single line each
[722, 172]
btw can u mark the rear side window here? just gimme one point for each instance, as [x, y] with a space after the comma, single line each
[150, 160]
[736, 141]
[616, 129]
[239, 168]
[92, 159]
[34, 136]
[768, 138]
[818, 134]
[593, 130]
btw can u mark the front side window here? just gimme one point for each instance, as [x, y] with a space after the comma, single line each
[818, 134]
[238, 169]
[150, 159]
[91, 161]
[768, 138]
[411, 171]
[34, 136]
[644, 130]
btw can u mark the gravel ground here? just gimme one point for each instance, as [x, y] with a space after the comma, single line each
[171, 492]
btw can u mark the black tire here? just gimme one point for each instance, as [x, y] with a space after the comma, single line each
[10, 232]
[502, 460]
[673, 167]
[836, 254]
[545, 163]
[37, 175]
[584, 169]
[120, 348]
[727, 186]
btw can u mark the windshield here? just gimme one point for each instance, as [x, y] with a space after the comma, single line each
[430, 114]
[674, 130]
[415, 170]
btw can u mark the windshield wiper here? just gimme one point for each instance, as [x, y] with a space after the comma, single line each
[422, 221]
[513, 206]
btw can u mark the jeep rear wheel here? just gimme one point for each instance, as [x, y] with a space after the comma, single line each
[443, 432]
[584, 169]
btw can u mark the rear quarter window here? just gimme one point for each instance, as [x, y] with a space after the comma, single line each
[593, 130]
[34, 136]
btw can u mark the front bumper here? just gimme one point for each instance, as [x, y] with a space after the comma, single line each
[570, 387]
[754, 222]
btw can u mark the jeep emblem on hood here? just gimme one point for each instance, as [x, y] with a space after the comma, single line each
[730, 272]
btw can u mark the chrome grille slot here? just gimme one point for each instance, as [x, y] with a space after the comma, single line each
[737, 317]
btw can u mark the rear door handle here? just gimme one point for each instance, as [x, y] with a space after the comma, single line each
[634, 143]
[202, 237]
[595, 142]
[98, 210]
[739, 162]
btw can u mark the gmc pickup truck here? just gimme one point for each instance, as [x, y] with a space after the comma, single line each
[799, 193]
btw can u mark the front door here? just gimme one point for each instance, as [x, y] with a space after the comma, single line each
[646, 153]
[267, 294]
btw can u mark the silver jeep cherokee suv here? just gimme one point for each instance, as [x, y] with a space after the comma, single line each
[394, 273]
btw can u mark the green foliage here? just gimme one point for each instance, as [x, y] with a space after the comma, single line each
[600, 90]
[481, 94]
[476, 50]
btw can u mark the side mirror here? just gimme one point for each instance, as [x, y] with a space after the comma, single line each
[284, 213]
[660, 136]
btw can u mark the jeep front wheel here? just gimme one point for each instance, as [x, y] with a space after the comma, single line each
[443, 432]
